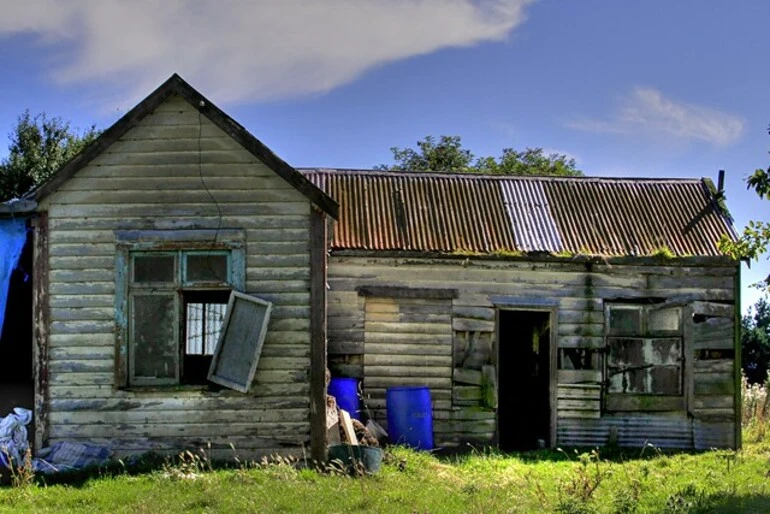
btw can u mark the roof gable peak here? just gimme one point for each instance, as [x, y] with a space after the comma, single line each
[176, 85]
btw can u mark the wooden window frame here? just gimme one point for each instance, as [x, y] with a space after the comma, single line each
[638, 401]
[213, 375]
[179, 243]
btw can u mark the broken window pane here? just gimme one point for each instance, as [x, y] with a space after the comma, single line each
[154, 268]
[578, 358]
[625, 321]
[204, 324]
[155, 352]
[207, 268]
[664, 320]
[645, 366]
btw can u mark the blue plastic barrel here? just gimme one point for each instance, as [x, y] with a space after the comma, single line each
[410, 416]
[345, 390]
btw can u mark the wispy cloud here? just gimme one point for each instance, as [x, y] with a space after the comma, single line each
[648, 113]
[240, 51]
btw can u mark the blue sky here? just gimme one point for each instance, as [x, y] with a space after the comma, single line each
[651, 89]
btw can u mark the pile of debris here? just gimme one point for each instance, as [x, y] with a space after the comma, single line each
[62, 456]
[341, 428]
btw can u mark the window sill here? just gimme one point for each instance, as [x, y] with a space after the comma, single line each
[179, 390]
[619, 402]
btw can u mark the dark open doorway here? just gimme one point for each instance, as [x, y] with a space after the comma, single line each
[16, 379]
[524, 378]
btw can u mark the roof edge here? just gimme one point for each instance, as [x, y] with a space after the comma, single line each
[17, 206]
[177, 85]
[689, 260]
[488, 176]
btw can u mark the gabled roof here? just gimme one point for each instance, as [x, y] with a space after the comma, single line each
[482, 214]
[175, 85]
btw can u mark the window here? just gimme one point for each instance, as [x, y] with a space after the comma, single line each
[644, 351]
[176, 307]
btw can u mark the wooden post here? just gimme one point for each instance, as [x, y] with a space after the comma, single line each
[738, 358]
[41, 318]
[317, 335]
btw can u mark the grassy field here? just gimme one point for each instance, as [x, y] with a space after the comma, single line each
[629, 481]
[546, 481]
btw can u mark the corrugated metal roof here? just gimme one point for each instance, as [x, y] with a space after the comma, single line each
[457, 213]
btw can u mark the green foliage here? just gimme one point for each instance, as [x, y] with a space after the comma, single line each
[663, 252]
[448, 155]
[755, 342]
[39, 146]
[755, 238]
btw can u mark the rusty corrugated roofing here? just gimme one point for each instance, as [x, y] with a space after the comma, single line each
[458, 213]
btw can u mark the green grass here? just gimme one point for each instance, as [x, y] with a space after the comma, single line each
[545, 481]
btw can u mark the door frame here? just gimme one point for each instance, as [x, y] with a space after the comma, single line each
[532, 306]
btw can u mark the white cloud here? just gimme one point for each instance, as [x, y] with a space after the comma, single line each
[648, 113]
[239, 50]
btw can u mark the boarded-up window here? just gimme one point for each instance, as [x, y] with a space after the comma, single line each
[644, 350]
[240, 344]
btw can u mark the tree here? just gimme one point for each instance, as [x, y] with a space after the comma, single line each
[448, 154]
[755, 342]
[756, 235]
[39, 146]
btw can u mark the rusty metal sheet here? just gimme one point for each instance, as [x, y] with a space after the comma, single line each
[673, 430]
[482, 214]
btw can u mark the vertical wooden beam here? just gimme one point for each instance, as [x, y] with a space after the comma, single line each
[318, 263]
[41, 318]
[553, 381]
[688, 351]
[121, 316]
[738, 358]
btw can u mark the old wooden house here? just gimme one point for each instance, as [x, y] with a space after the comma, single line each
[539, 311]
[138, 243]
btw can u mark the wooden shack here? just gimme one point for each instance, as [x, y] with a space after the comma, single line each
[539, 311]
[138, 243]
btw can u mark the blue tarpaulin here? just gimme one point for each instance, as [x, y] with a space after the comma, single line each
[13, 234]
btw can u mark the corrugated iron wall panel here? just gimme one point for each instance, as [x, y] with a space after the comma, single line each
[434, 212]
[661, 430]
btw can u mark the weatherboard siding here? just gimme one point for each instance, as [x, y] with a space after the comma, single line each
[153, 178]
[578, 292]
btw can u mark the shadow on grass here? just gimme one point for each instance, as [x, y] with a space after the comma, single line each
[606, 453]
[141, 464]
[723, 503]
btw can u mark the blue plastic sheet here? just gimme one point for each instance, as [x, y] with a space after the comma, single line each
[13, 234]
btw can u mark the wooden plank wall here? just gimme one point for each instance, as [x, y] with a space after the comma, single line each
[151, 179]
[408, 342]
[712, 331]
[579, 291]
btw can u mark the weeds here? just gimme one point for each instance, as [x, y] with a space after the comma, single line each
[687, 499]
[188, 465]
[663, 252]
[755, 412]
[575, 494]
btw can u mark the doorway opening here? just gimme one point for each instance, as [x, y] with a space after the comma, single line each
[524, 379]
[16, 380]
